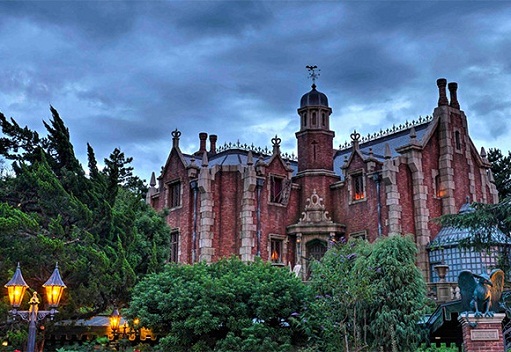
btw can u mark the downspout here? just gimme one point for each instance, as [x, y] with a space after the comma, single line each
[377, 180]
[195, 188]
[259, 186]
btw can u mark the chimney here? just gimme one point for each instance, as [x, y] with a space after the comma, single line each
[453, 87]
[442, 99]
[212, 143]
[203, 136]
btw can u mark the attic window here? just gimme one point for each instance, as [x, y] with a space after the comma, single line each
[174, 194]
[276, 189]
[358, 192]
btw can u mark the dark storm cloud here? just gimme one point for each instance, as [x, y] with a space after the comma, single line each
[126, 73]
[97, 20]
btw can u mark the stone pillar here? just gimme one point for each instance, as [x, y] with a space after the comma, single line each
[390, 170]
[248, 213]
[482, 334]
[206, 213]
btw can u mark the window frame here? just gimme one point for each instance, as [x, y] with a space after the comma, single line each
[274, 196]
[359, 235]
[357, 179]
[174, 246]
[174, 194]
[278, 243]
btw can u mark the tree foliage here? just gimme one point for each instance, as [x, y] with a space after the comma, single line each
[501, 170]
[226, 306]
[95, 225]
[368, 297]
[485, 220]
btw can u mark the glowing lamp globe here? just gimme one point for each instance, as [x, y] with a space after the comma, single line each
[115, 320]
[16, 288]
[54, 288]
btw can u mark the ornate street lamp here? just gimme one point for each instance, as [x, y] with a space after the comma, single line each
[16, 288]
[130, 332]
[115, 321]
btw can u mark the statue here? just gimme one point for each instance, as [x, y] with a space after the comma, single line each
[481, 293]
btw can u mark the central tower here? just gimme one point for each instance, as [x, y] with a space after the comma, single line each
[315, 140]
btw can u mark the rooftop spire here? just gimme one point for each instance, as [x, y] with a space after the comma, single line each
[313, 74]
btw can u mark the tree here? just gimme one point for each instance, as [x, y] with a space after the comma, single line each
[50, 210]
[368, 296]
[501, 169]
[225, 306]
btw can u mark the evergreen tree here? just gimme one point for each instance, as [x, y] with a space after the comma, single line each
[51, 211]
[501, 169]
[369, 296]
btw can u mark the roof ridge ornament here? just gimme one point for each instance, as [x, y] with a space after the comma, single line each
[313, 74]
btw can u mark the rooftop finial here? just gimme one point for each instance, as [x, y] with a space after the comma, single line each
[313, 74]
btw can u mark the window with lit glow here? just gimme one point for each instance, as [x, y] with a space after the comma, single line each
[276, 247]
[358, 187]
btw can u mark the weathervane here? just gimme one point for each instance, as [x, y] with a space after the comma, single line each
[313, 74]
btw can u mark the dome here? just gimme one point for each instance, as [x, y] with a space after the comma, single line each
[314, 98]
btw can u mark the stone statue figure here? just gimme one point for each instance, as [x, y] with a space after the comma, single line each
[481, 293]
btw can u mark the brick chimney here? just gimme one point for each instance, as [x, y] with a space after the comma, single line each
[442, 99]
[453, 87]
[212, 143]
[203, 136]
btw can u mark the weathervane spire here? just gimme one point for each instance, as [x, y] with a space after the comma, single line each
[313, 74]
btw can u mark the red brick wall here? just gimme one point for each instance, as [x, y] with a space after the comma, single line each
[318, 157]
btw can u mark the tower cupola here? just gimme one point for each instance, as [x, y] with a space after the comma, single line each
[315, 139]
[314, 98]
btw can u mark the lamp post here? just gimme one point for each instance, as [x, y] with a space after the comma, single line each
[16, 288]
[128, 332]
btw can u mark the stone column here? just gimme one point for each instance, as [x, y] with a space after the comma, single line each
[247, 214]
[206, 214]
[482, 334]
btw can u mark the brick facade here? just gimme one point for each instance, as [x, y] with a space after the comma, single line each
[482, 334]
[247, 202]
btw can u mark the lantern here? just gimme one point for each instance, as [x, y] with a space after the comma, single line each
[16, 288]
[54, 288]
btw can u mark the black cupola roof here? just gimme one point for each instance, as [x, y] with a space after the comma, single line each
[314, 98]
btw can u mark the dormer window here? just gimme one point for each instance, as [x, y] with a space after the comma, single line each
[358, 187]
[276, 189]
[174, 194]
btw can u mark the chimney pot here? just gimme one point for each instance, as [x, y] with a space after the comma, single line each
[453, 87]
[442, 99]
[203, 136]
[212, 143]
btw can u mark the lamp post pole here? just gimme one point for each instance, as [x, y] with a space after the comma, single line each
[16, 288]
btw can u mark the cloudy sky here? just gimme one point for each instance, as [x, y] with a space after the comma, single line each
[127, 73]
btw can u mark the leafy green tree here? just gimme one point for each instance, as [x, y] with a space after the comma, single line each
[225, 306]
[369, 297]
